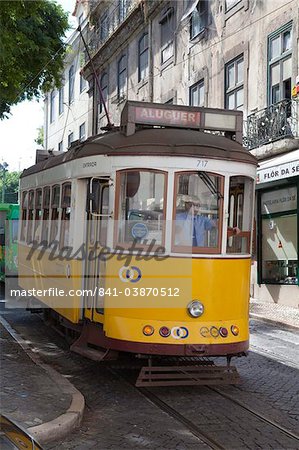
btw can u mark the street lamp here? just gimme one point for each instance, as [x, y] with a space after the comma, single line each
[3, 167]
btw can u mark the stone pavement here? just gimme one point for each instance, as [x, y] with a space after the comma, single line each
[273, 312]
[33, 394]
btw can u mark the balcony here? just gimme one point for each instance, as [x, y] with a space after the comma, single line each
[108, 23]
[278, 121]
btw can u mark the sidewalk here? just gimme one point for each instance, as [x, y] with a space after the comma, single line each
[272, 312]
[26, 382]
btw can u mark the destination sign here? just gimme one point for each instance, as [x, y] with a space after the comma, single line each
[170, 117]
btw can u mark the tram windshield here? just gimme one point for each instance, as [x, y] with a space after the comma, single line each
[141, 209]
[198, 209]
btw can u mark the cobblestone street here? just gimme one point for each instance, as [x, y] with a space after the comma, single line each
[117, 415]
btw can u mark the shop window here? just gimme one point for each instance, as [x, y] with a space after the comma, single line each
[279, 242]
[280, 64]
[30, 216]
[234, 84]
[141, 211]
[167, 34]
[198, 212]
[240, 214]
[24, 216]
[55, 205]
[65, 214]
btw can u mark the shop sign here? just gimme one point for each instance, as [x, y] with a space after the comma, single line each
[280, 200]
[286, 170]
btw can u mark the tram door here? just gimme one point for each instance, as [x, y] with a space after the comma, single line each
[97, 213]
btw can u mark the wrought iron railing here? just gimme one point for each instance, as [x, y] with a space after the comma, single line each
[271, 124]
[108, 23]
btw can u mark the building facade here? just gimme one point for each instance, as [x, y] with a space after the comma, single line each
[66, 109]
[235, 54]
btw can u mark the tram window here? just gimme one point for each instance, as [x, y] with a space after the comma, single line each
[55, 203]
[198, 212]
[240, 214]
[104, 218]
[46, 213]
[30, 216]
[24, 215]
[141, 209]
[37, 215]
[66, 214]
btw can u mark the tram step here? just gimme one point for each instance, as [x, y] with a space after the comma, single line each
[187, 375]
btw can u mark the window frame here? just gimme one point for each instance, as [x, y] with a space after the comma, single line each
[104, 88]
[60, 101]
[288, 54]
[128, 245]
[69, 141]
[46, 208]
[65, 215]
[167, 19]
[24, 205]
[238, 86]
[71, 78]
[140, 54]
[122, 90]
[52, 106]
[55, 207]
[201, 15]
[83, 84]
[229, 8]
[197, 250]
[198, 84]
[82, 138]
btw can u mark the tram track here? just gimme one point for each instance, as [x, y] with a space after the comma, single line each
[205, 436]
[262, 417]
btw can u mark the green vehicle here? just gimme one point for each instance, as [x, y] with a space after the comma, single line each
[9, 220]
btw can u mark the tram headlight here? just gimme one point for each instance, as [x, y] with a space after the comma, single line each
[195, 308]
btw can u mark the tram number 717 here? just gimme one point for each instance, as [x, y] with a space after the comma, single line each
[202, 163]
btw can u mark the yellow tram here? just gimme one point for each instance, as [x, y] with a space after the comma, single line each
[140, 238]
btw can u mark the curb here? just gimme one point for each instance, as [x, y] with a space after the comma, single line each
[285, 325]
[65, 423]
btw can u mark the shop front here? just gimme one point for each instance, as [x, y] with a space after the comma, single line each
[276, 274]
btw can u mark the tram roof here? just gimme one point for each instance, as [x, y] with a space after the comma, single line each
[152, 142]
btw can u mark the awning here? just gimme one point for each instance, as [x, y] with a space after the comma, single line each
[279, 167]
[191, 5]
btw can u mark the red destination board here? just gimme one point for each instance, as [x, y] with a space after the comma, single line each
[170, 117]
